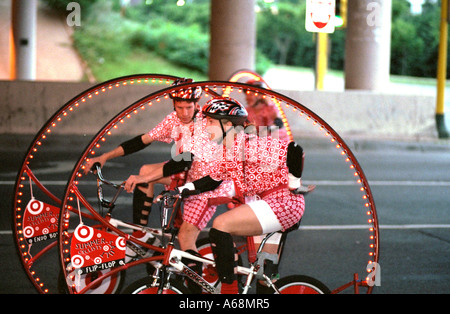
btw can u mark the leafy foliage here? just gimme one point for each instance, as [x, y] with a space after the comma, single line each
[181, 34]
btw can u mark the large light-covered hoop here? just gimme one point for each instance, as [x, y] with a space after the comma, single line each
[26, 175]
[212, 88]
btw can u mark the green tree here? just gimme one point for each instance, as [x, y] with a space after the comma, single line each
[61, 5]
[428, 29]
[281, 34]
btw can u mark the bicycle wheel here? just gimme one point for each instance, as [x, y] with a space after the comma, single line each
[145, 286]
[110, 285]
[300, 284]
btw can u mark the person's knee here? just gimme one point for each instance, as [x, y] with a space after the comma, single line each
[220, 223]
[145, 169]
[187, 236]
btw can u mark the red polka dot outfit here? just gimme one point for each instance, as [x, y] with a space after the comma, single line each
[257, 166]
[265, 116]
[192, 137]
[198, 209]
[171, 129]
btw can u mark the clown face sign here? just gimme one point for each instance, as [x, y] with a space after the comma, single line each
[320, 16]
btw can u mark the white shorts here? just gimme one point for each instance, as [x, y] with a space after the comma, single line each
[266, 217]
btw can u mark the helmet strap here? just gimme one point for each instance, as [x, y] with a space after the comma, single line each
[224, 133]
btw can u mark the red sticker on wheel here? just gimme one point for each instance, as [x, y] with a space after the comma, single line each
[94, 250]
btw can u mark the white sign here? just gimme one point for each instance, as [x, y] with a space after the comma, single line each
[320, 16]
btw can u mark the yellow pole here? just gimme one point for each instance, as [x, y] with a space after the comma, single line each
[322, 59]
[442, 72]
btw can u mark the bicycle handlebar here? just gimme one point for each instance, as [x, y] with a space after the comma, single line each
[96, 169]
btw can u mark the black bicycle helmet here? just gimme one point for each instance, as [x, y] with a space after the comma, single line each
[188, 94]
[226, 108]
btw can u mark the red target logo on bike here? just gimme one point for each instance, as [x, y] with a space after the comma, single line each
[93, 250]
[40, 221]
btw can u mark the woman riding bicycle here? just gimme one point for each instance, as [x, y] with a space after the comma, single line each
[264, 172]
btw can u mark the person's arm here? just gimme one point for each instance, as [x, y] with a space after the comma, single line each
[134, 180]
[128, 147]
[181, 162]
[294, 161]
[201, 185]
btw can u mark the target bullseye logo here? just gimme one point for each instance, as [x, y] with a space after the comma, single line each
[35, 207]
[84, 233]
[77, 261]
[28, 232]
[94, 250]
[121, 243]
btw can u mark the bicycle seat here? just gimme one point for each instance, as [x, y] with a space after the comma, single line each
[293, 228]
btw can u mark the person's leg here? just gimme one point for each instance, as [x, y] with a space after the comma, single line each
[142, 206]
[142, 203]
[238, 221]
[196, 215]
[143, 195]
[187, 236]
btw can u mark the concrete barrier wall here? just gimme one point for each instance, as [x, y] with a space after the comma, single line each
[362, 113]
[26, 106]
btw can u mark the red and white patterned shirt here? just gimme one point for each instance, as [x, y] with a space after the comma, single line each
[264, 120]
[171, 129]
[255, 164]
[257, 167]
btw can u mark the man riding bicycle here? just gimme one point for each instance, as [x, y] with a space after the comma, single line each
[176, 127]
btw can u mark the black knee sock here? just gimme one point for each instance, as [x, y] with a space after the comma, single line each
[223, 248]
[141, 212]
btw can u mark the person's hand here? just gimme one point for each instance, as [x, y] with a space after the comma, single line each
[132, 182]
[183, 192]
[166, 193]
[90, 163]
[303, 189]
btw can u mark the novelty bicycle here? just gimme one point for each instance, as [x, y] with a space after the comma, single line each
[67, 201]
[170, 264]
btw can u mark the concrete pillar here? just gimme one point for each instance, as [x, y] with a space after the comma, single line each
[23, 39]
[233, 37]
[368, 44]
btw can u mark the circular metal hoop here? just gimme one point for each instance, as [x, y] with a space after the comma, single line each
[26, 177]
[211, 88]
